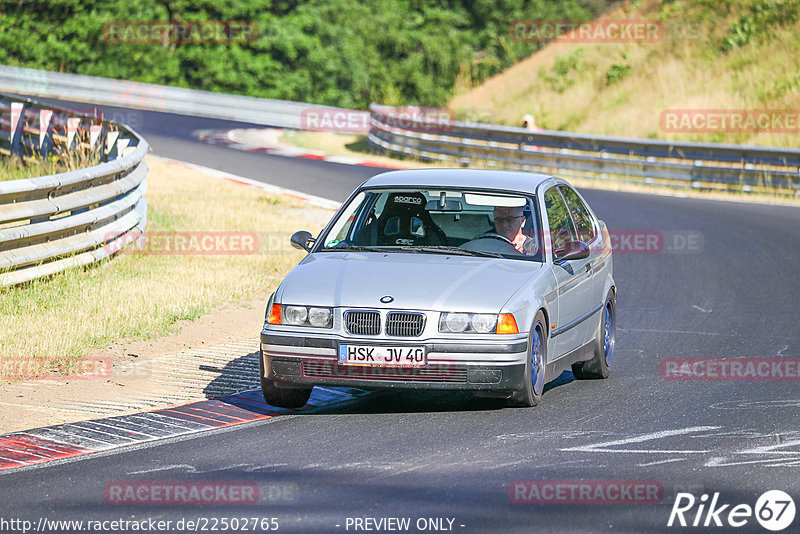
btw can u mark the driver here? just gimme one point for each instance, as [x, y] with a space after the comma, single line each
[508, 222]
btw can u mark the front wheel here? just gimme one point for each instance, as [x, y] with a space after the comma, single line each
[281, 397]
[600, 365]
[531, 391]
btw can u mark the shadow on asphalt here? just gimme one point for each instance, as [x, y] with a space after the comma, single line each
[242, 373]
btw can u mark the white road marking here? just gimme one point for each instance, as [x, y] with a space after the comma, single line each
[769, 462]
[189, 468]
[770, 449]
[702, 309]
[661, 462]
[740, 404]
[600, 447]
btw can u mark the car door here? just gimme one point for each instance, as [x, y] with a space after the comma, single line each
[573, 278]
[589, 232]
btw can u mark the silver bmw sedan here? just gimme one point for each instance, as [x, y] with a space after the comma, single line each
[493, 282]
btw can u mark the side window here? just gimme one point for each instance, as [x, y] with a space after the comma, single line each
[562, 229]
[342, 226]
[581, 216]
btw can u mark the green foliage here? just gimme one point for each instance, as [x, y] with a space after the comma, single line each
[760, 19]
[616, 72]
[335, 52]
[565, 71]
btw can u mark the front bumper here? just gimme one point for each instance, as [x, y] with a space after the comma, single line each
[301, 360]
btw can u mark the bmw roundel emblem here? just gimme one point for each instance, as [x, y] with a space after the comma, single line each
[386, 299]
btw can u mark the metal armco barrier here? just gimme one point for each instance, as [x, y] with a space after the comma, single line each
[148, 96]
[52, 223]
[640, 160]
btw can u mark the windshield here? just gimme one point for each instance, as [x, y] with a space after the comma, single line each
[442, 221]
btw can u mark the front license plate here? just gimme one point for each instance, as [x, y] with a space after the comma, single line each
[383, 356]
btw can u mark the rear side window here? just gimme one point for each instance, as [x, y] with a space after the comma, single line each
[580, 214]
[562, 229]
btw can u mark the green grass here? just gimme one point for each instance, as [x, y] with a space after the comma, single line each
[15, 169]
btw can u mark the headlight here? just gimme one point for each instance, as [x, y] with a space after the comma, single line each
[320, 317]
[483, 323]
[477, 323]
[295, 315]
[301, 316]
[454, 322]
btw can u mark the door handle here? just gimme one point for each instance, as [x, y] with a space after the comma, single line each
[588, 267]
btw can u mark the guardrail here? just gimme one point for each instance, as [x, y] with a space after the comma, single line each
[52, 223]
[674, 164]
[148, 96]
[699, 165]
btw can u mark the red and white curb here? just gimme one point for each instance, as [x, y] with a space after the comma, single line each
[42, 445]
[240, 140]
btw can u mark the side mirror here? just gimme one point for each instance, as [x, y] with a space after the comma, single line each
[573, 250]
[302, 240]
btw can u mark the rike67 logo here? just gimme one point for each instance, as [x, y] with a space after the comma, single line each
[774, 510]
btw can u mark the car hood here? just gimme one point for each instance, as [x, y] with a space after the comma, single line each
[416, 281]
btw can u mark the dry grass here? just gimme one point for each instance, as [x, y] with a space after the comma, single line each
[32, 165]
[140, 296]
[687, 69]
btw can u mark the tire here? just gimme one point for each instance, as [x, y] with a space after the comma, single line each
[281, 397]
[600, 365]
[535, 366]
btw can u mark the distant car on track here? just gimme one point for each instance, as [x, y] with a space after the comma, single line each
[493, 282]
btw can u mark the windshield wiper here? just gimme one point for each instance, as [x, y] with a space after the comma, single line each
[454, 250]
[416, 250]
[357, 248]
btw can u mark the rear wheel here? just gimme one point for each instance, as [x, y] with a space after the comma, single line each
[281, 397]
[600, 365]
[531, 392]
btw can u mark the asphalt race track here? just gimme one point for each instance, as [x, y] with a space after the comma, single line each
[723, 283]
